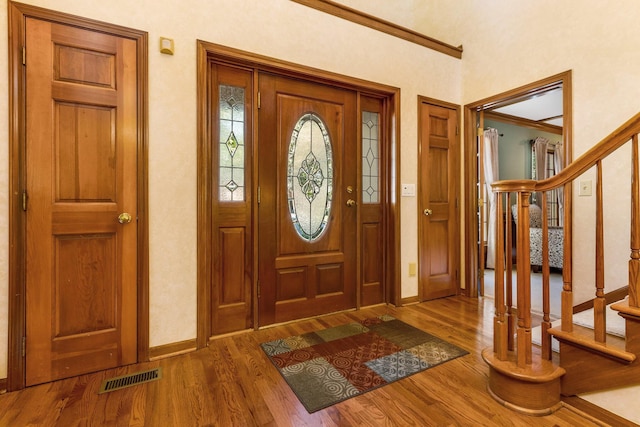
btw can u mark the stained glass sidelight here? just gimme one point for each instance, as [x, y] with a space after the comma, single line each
[370, 157]
[232, 125]
[310, 177]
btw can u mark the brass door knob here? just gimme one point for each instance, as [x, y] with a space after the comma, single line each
[351, 203]
[428, 212]
[124, 218]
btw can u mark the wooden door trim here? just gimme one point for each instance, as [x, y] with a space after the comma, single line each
[456, 173]
[207, 52]
[18, 13]
[471, 170]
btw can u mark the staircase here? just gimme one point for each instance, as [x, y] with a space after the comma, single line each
[532, 379]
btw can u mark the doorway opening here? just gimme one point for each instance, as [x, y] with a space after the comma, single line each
[508, 109]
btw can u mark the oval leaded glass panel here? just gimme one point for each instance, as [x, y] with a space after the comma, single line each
[310, 177]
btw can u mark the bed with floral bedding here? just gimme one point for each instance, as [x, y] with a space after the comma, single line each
[556, 238]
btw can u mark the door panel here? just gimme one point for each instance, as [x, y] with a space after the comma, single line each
[438, 201]
[307, 228]
[81, 148]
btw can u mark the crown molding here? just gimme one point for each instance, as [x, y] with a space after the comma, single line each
[381, 25]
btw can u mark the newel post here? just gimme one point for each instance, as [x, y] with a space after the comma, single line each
[515, 380]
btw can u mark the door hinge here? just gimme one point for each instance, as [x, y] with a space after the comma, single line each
[24, 346]
[259, 100]
[457, 130]
[24, 55]
[258, 286]
[24, 201]
[258, 195]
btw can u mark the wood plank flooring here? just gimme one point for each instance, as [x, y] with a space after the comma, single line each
[232, 383]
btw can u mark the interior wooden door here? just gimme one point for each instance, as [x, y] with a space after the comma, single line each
[81, 204]
[438, 201]
[307, 195]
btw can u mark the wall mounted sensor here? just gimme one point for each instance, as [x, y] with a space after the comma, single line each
[166, 45]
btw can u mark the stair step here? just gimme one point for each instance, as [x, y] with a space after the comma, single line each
[614, 347]
[538, 371]
[614, 322]
[532, 390]
[626, 310]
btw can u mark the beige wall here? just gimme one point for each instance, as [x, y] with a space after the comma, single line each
[276, 28]
[508, 44]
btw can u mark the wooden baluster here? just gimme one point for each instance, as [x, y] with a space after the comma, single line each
[634, 262]
[511, 330]
[567, 264]
[546, 322]
[482, 195]
[599, 303]
[500, 325]
[523, 283]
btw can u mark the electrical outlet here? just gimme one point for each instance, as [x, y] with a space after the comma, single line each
[585, 188]
[413, 269]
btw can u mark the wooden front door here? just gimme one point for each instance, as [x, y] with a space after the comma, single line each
[308, 193]
[438, 201]
[81, 196]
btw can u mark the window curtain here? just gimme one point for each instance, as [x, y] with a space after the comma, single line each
[558, 165]
[490, 175]
[540, 151]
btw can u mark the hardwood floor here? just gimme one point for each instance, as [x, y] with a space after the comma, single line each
[232, 383]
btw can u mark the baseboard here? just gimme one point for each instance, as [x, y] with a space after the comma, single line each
[610, 297]
[173, 349]
[409, 300]
[600, 414]
[3, 385]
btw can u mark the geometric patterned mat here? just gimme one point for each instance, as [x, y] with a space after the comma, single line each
[329, 366]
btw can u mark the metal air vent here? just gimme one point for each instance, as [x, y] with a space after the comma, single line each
[130, 380]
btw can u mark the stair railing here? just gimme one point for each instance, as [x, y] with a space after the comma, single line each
[505, 326]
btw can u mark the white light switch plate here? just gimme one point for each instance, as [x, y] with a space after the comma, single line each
[585, 188]
[408, 190]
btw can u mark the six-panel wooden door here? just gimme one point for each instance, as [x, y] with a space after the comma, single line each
[81, 201]
[438, 202]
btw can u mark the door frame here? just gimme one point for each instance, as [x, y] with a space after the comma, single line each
[18, 12]
[471, 168]
[207, 52]
[456, 173]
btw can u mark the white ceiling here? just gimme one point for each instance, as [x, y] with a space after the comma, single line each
[544, 108]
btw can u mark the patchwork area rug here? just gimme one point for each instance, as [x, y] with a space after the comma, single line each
[335, 364]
